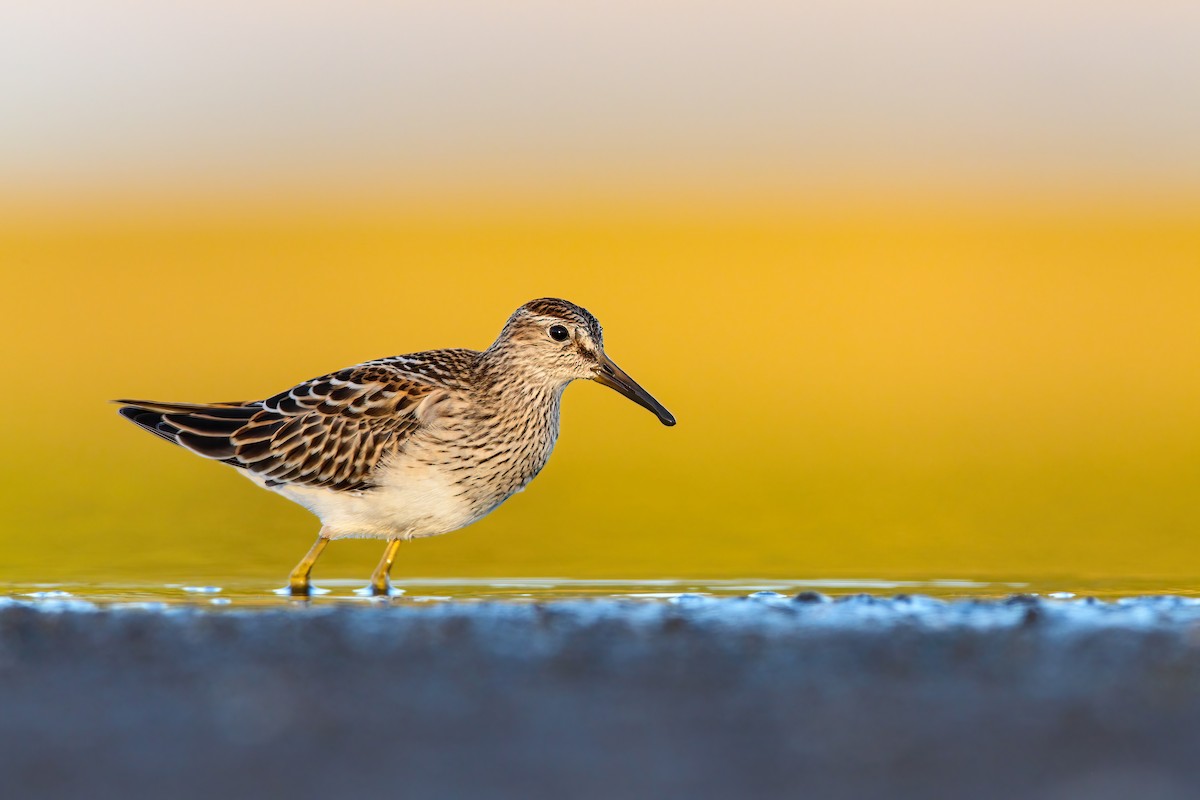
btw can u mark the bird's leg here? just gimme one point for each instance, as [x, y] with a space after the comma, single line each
[379, 578]
[298, 583]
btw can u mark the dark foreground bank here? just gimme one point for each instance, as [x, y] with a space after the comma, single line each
[859, 698]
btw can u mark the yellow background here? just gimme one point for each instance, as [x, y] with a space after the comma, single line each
[870, 394]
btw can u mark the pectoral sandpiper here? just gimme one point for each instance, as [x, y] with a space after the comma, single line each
[408, 446]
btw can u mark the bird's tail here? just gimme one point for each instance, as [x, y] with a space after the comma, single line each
[196, 426]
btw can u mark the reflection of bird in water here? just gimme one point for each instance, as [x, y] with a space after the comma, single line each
[407, 446]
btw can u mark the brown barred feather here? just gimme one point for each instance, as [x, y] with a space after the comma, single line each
[331, 431]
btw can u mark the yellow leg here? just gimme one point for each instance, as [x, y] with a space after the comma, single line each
[298, 582]
[379, 578]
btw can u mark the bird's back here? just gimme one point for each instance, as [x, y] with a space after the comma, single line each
[332, 431]
[425, 442]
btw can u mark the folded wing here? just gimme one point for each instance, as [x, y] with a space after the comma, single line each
[330, 432]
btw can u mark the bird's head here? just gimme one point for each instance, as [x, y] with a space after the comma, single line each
[561, 342]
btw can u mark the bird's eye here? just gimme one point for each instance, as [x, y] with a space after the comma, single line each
[559, 333]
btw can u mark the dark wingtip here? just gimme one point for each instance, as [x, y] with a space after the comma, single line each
[219, 448]
[148, 420]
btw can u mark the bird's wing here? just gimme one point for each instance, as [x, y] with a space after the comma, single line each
[330, 431]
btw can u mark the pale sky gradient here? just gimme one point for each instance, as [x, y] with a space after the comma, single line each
[1021, 94]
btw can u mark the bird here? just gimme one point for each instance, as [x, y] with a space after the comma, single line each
[407, 446]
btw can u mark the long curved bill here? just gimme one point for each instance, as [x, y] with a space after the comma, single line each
[610, 375]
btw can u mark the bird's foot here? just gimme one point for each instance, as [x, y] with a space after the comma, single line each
[379, 589]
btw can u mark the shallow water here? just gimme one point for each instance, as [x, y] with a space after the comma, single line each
[244, 594]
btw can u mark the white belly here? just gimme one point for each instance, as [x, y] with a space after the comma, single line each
[411, 501]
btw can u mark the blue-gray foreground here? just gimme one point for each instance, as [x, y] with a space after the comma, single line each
[859, 698]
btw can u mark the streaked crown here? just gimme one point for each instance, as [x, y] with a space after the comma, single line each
[552, 309]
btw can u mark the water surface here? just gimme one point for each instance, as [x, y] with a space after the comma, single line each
[242, 594]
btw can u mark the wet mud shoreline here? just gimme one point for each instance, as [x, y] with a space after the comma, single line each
[862, 697]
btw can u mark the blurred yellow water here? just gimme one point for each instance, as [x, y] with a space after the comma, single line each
[876, 392]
